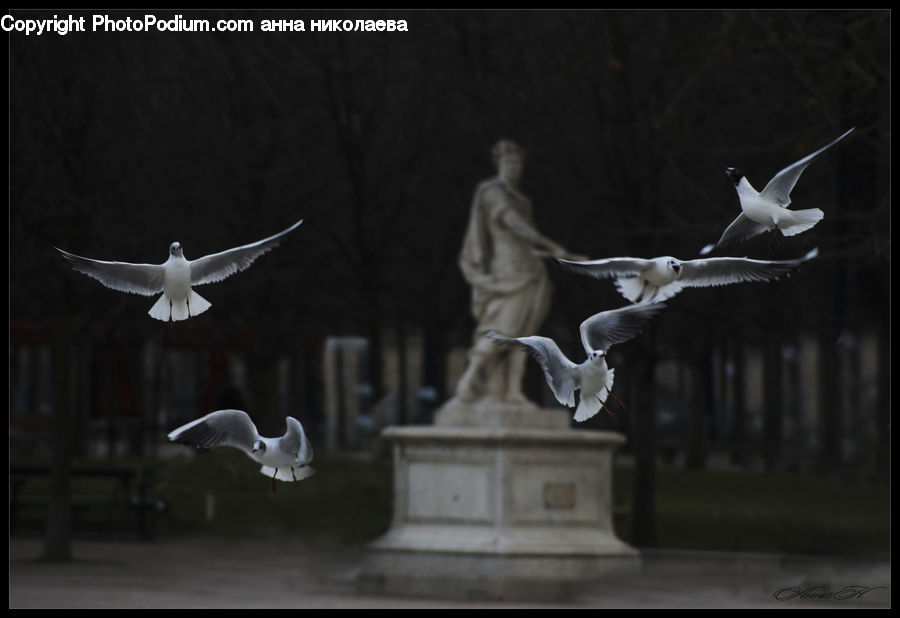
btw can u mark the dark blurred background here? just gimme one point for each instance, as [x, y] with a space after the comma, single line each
[121, 143]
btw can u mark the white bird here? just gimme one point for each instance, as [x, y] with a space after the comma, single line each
[767, 210]
[643, 280]
[592, 377]
[286, 458]
[175, 277]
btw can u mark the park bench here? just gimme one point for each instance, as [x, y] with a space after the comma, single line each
[106, 501]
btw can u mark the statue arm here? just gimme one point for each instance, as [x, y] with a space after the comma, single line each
[519, 226]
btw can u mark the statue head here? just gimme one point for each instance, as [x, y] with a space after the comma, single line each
[508, 158]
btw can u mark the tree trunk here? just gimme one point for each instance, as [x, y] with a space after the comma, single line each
[701, 404]
[58, 537]
[644, 506]
[402, 386]
[793, 409]
[883, 403]
[831, 408]
[434, 370]
[374, 331]
[262, 378]
[772, 409]
[851, 370]
[830, 454]
[739, 420]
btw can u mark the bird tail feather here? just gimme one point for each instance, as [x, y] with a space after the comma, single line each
[160, 310]
[198, 303]
[285, 474]
[800, 221]
[588, 407]
[179, 308]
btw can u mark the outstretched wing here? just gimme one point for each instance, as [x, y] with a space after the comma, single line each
[145, 279]
[217, 266]
[560, 372]
[742, 228]
[219, 428]
[725, 270]
[605, 329]
[779, 188]
[606, 268]
[295, 441]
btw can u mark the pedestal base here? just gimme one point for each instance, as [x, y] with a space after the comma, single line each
[488, 577]
[498, 512]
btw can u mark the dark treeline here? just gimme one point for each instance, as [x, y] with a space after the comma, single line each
[121, 143]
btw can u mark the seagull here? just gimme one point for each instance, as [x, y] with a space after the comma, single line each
[768, 209]
[285, 459]
[592, 377]
[175, 277]
[643, 280]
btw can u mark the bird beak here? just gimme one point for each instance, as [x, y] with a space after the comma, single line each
[677, 268]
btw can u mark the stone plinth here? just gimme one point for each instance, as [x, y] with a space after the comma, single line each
[505, 509]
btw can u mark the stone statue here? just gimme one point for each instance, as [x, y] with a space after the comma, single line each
[498, 478]
[502, 259]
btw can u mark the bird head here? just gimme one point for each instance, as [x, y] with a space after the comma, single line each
[595, 354]
[258, 447]
[675, 265]
[734, 174]
[175, 248]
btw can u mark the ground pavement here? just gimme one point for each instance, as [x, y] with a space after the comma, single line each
[290, 573]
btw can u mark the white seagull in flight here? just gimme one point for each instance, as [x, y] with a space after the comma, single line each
[768, 209]
[286, 458]
[595, 380]
[175, 277]
[642, 280]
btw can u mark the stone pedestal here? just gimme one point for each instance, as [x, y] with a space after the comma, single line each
[498, 502]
